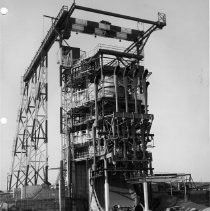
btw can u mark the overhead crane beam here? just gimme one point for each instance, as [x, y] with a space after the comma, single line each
[60, 24]
[157, 23]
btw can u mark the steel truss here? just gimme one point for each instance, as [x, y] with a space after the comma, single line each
[127, 124]
[114, 126]
[30, 151]
[111, 129]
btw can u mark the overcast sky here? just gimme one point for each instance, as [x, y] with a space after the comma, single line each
[177, 56]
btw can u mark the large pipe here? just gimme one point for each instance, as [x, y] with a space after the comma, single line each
[96, 100]
[95, 122]
[102, 76]
[94, 146]
[125, 83]
[106, 186]
[116, 101]
[114, 134]
[135, 89]
[146, 204]
[116, 87]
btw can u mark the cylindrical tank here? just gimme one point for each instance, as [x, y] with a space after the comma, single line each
[107, 88]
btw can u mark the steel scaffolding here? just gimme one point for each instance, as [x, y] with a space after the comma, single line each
[105, 121]
[30, 152]
[104, 117]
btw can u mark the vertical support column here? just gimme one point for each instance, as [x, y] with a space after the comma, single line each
[139, 90]
[61, 109]
[114, 133]
[64, 163]
[106, 185]
[26, 178]
[61, 189]
[96, 100]
[145, 93]
[171, 189]
[60, 196]
[63, 122]
[135, 90]
[134, 139]
[145, 85]
[146, 204]
[116, 87]
[17, 182]
[95, 124]
[46, 118]
[116, 105]
[73, 176]
[124, 143]
[136, 111]
[143, 140]
[185, 191]
[146, 98]
[69, 165]
[94, 146]
[150, 167]
[102, 75]
[178, 186]
[125, 83]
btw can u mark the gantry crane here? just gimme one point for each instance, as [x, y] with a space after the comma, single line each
[104, 118]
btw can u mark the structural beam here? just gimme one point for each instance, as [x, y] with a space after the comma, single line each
[59, 25]
[157, 23]
[47, 42]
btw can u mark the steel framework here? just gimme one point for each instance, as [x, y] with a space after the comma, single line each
[30, 155]
[104, 109]
[104, 116]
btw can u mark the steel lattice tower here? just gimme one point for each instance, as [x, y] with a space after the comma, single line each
[30, 156]
[30, 149]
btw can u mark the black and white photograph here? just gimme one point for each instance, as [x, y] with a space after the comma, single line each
[104, 105]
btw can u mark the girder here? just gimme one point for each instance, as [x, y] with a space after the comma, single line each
[63, 24]
[30, 156]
